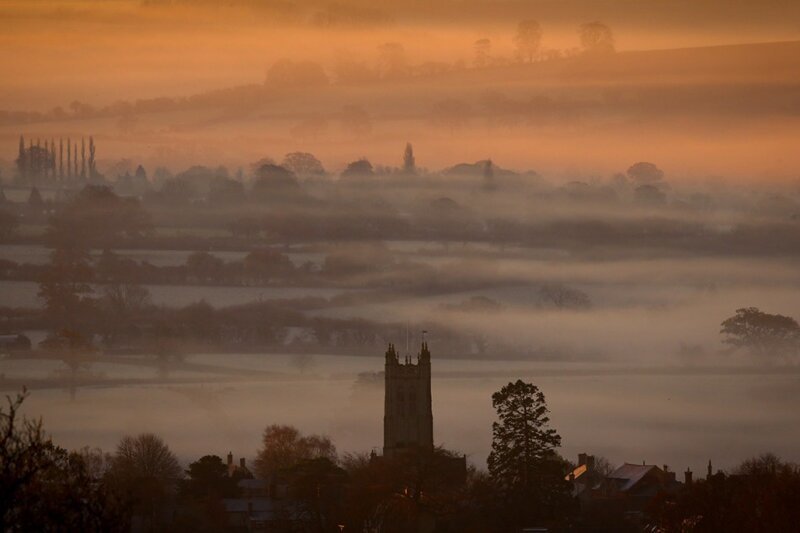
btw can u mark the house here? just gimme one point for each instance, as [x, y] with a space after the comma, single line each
[628, 490]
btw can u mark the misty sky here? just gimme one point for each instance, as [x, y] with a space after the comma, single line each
[727, 112]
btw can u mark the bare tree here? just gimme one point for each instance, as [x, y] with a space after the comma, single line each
[145, 456]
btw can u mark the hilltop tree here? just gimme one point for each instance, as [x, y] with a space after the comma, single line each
[528, 40]
[761, 333]
[523, 462]
[596, 37]
[644, 173]
[358, 169]
[303, 164]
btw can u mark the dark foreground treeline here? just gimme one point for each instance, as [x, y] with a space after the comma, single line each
[299, 483]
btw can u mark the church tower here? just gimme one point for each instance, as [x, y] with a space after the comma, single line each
[407, 414]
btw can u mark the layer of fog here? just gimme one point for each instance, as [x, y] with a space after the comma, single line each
[680, 420]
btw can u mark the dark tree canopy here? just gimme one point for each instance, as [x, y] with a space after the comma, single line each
[761, 333]
[358, 169]
[522, 436]
[523, 463]
[645, 173]
[145, 456]
[303, 164]
[596, 37]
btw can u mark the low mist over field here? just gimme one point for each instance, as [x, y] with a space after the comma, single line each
[393, 267]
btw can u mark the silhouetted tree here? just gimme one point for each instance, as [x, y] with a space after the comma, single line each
[596, 37]
[274, 183]
[528, 40]
[361, 168]
[303, 164]
[65, 287]
[208, 478]
[523, 462]
[146, 471]
[761, 333]
[284, 447]
[645, 173]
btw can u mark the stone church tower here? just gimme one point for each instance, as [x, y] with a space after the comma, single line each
[407, 415]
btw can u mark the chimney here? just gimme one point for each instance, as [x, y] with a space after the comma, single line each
[241, 463]
[708, 474]
[581, 459]
[590, 463]
[666, 468]
[687, 477]
[230, 459]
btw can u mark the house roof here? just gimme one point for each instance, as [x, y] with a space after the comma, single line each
[629, 475]
[578, 472]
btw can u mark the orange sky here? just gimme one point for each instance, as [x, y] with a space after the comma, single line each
[52, 53]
